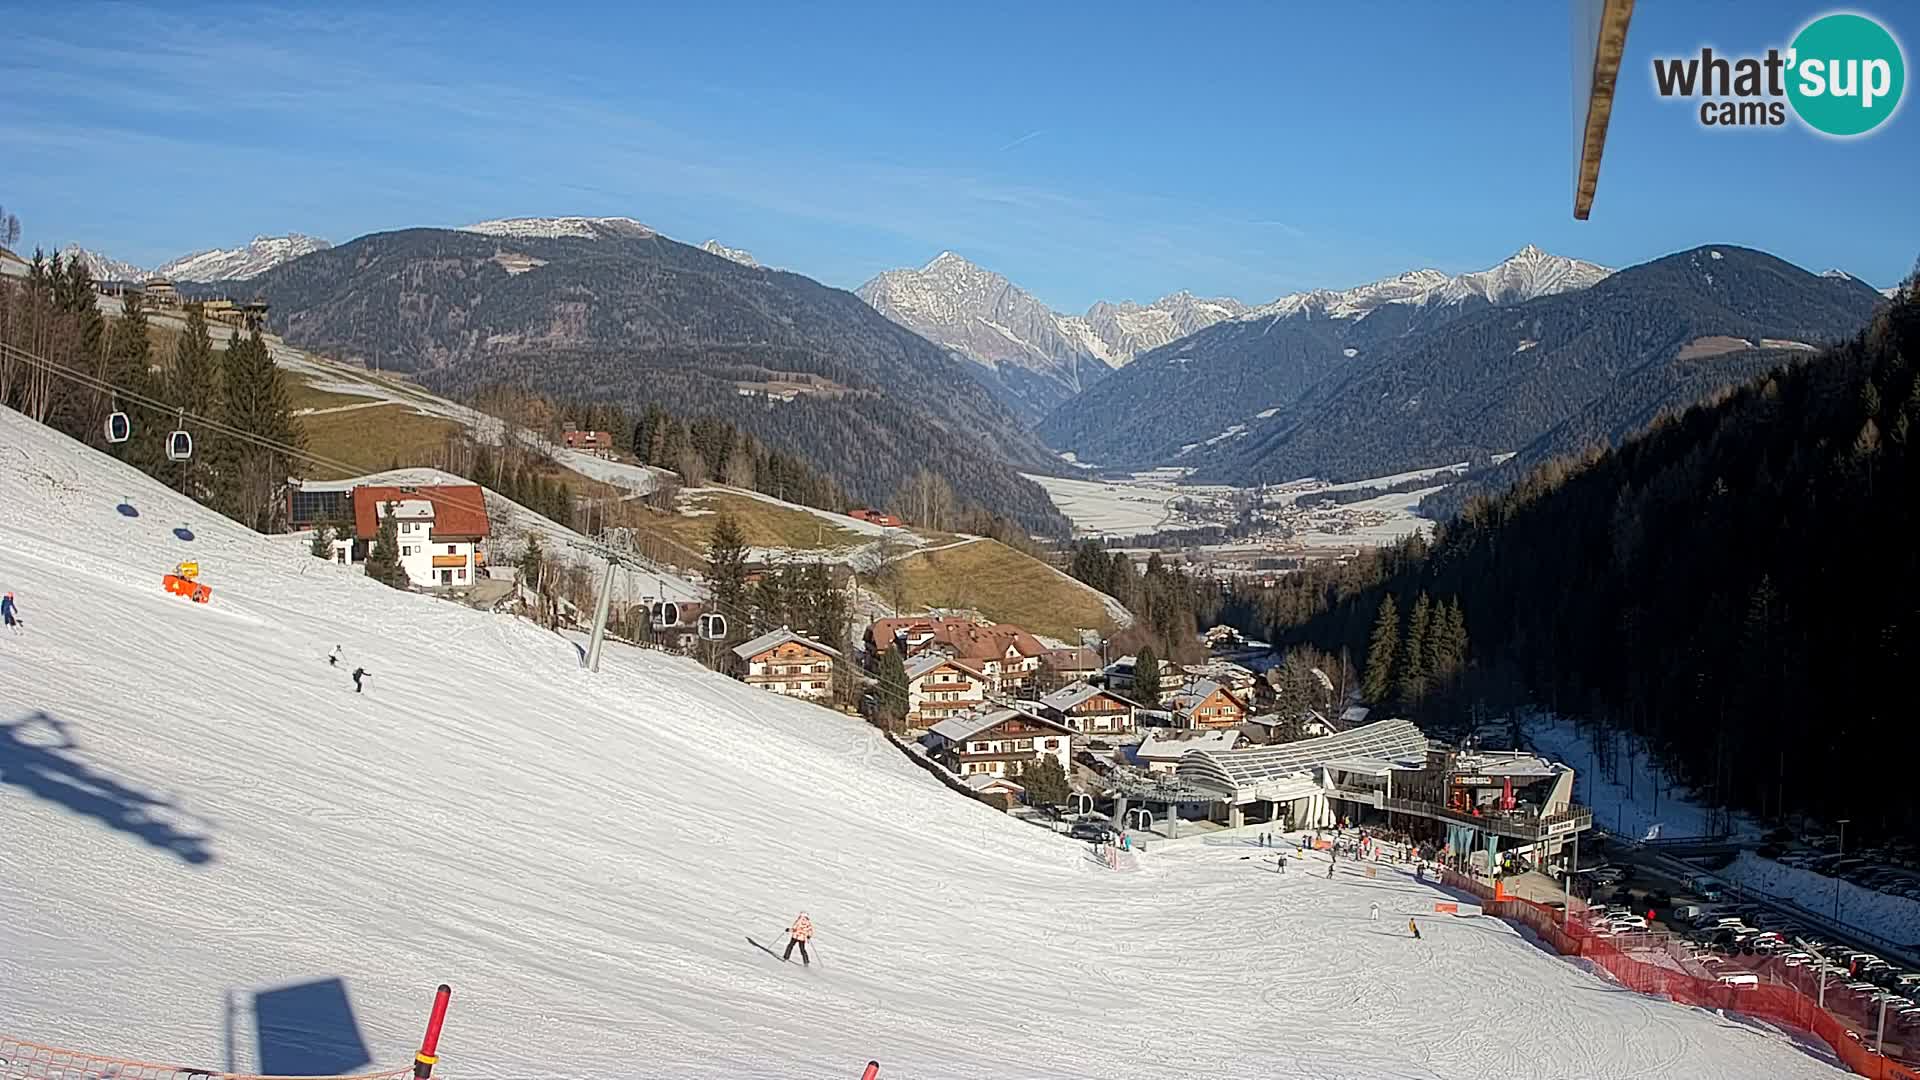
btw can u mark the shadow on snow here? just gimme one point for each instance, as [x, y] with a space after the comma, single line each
[39, 756]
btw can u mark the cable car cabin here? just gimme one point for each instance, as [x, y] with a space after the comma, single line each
[179, 446]
[665, 614]
[119, 428]
[713, 626]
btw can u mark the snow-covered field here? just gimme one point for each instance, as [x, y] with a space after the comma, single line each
[1098, 507]
[195, 809]
[1895, 918]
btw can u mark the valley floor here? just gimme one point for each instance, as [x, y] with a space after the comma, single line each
[201, 821]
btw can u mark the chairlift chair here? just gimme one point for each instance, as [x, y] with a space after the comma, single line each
[119, 428]
[180, 445]
[713, 626]
[666, 614]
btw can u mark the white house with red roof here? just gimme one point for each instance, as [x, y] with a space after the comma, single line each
[441, 530]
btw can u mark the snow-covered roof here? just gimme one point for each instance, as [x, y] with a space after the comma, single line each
[1354, 716]
[988, 781]
[1235, 769]
[1075, 693]
[928, 661]
[967, 725]
[775, 638]
[1161, 746]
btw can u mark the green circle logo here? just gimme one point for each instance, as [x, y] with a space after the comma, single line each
[1847, 74]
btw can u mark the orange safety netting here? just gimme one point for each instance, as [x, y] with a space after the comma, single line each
[30, 1061]
[1776, 1002]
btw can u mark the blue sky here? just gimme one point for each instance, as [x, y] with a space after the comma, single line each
[1087, 152]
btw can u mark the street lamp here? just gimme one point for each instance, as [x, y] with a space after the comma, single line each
[1836, 869]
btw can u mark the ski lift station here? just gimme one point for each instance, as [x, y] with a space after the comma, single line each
[1385, 772]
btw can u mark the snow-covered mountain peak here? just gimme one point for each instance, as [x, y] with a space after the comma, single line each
[261, 254]
[1527, 273]
[551, 228]
[739, 255]
[103, 267]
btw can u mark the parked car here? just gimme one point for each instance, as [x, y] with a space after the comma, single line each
[1091, 831]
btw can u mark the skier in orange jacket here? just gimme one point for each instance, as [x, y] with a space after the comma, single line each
[799, 934]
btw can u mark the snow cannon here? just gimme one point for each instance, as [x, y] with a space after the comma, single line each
[184, 582]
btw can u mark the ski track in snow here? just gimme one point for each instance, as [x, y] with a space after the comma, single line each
[579, 855]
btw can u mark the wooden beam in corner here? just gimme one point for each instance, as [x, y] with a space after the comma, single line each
[1609, 46]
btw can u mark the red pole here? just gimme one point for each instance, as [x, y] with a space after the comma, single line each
[429, 1046]
[873, 1070]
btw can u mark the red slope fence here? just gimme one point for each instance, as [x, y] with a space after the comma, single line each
[1777, 1003]
[21, 1060]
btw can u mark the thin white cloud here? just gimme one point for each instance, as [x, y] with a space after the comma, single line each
[1028, 137]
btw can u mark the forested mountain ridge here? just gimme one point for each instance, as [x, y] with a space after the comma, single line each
[1499, 379]
[630, 317]
[1736, 585]
[1227, 376]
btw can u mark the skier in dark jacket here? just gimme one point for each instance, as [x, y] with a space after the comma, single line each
[11, 614]
[358, 674]
[333, 658]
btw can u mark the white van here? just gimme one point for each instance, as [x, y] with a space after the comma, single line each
[1740, 982]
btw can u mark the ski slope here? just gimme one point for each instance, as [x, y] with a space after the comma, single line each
[196, 810]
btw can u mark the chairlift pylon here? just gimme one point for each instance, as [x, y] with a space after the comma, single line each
[119, 428]
[713, 626]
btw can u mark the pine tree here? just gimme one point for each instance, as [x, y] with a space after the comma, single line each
[322, 545]
[893, 687]
[1045, 782]
[770, 603]
[1383, 651]
[254, 472]
[1414, 657]
[128, 358]
[727, 575]
[195, 388]
[1146, 678]
[383, 559]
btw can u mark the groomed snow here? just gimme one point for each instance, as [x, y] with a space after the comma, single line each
[196, 808]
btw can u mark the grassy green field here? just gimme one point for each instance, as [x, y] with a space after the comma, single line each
[1002, 584]
[372, 439]
[764, 524]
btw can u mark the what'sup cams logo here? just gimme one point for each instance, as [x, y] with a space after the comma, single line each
[1842, 76]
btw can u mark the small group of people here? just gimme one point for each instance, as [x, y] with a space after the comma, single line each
[359, 673]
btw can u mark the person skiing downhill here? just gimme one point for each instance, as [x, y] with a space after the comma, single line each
[799, 934]
[333, 658]
[1373, 912]
[11, 613]
[358, 674]
[1415, 927]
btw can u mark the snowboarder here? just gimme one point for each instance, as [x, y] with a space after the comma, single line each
[1373, 912]
[333, 658]
[358, 674]
[799, 934]
[1415, 927]
[11, 613]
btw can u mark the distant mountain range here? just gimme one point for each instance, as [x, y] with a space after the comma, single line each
[261, 254]
[1031, 356]
[1211, 386]
[607, 309]
[1545, 375]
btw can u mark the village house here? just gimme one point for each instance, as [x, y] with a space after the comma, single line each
[1075, 664]
[1223, 637]
[1090, 710]
[597, 443]
[1119, 676]
[1205, 704]
[875, 517]
[1268, 729]
[998, 742]
[161, 293]
[995, 790]
[1161, 751]
[1006, 655]
[13, 266]
[783, 662]
[440, 530]
[938, 687]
